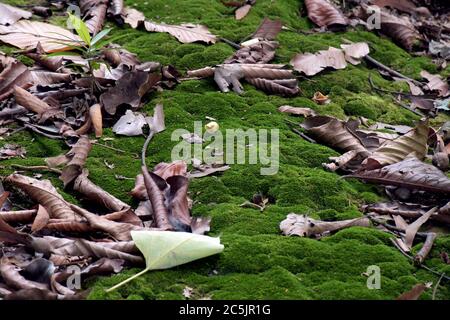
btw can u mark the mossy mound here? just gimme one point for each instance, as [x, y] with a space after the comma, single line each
[259, 263]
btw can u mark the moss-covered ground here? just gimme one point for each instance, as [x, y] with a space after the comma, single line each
[259, 263]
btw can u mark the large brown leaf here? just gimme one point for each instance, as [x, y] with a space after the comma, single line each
[185, 33]
[12, 277]
[10, 14]
[96, 194]
[324, 13]
[334, 133]
[118, 230]
[410, 173]
[414, 142]
[435, 83]
[94, 13]
[268, 29]
[27, 34]
[43, 192]
[414, 293]
[129, 90]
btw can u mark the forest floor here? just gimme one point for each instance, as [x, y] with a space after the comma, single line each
[258, 262]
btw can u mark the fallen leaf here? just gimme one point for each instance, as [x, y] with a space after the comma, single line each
[130, 124]
[410, 173]
[334, 133]
[413, 228]
[75, 160]
[303, 226]
[268, 29]
[355, 52]
[97, 195]
[95, 114]
[13, 278]
[13, 73]
[260, 52]
[41, 220]
[167, 249]
[11, 14]
[311, 64]
[413, 142]
[133, 17]
[185, 33]
[94, 13]
[206, 170]
[320, 98]
[325, 14]
[129, 90]
[27, 34]
[402, 5]
[43, 192]
[242, 12]
[9, 151]
[414, 293]
[305, 112]
[435, 83]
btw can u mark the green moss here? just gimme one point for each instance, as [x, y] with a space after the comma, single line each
[258, 262]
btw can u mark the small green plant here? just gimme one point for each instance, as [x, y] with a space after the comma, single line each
[89, 48]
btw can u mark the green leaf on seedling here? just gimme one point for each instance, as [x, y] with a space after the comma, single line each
[167, 249]
[81, 28]
[99, 36]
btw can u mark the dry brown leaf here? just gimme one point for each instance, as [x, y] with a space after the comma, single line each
[268, 29]
[305, 112]
[32, 103]
[101, 250]
[410, 173]
[282, 87]
[402, 5]
[355, 52]
[133, 17]
[185, 33]
[95, 114]
[11, 14]
[303, 226]
[14, 279]
[320, 98]
[413, 142]
[206, 170]
[19, 216]
[91, 191]
[242, 12]
[260, 52]
[13, 73]
[27, 34]
[311, 64]
[94, 13]
[43, 192]
[324, 13]
[118, 230]
[414, 293]
[41, 220]
[129, 90]
[413, 228]
[76, 158]
[435, 83]
[45, 78]
[8, 151]
[334, 133]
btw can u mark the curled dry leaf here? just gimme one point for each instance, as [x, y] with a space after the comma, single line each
[413, 228]
[305, 112]
[355, 52]
[29, 101]
[420, 256]
[94, 193]
[13, 73]
[285, 87]
[410, 173]
[95, 114]
[43, 192]
[41, 220]
[9, 151]
[260, 52]
[19, 216]
[131, 124]
[206, 170]
[242, 12]
[201, 73]
[11, 14]
[133, 17]
[12, 277]
[94, 13]
[27, 34]
[413, 142]
[334, 133]
[75, 160]
[101, 250]
[402, 5]
[324, 13]
[129, 90]
[320, 98]
[303, 226]
[118, 230]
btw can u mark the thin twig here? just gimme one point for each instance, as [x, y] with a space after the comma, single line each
[115, 149]
[39, 168]
[304, 136]
[391, 71]
[436, 286]
[231, 43]
[145, 146]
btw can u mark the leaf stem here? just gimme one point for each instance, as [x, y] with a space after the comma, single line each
[127, 280]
